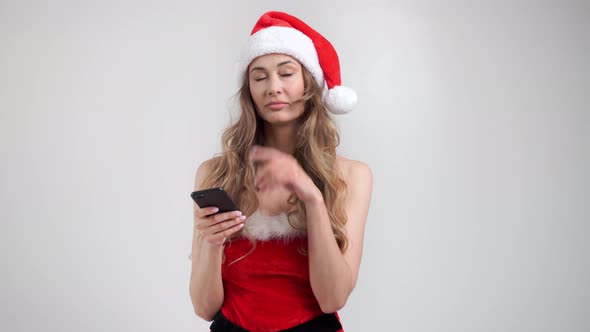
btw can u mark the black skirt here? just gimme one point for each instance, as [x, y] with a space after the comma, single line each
[323, 323]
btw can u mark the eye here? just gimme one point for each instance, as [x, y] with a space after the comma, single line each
[258, 79]
[287, 74]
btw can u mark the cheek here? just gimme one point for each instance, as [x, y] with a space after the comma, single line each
[255, 93]
[298, 88]
[302, 87]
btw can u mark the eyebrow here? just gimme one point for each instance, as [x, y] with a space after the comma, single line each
[280, 64]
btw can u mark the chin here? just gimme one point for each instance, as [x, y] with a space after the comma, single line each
[280, 118]
[279, 122]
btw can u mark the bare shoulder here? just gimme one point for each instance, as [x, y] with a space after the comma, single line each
[354, 170]
[203, 171]
[359, 181]
[208, 164]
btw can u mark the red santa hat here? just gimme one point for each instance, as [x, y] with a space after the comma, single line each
[277, 32]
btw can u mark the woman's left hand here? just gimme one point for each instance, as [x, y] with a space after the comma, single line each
[276, 168]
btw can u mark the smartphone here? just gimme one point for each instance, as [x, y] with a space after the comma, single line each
[214, 197]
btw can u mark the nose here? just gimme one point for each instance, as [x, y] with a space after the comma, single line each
[274, 86]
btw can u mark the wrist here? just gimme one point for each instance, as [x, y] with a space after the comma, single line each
[206, 247]
[306, 190]
[211, 248]
[314, 198]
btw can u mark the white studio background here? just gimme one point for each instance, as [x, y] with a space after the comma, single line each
[473, 116]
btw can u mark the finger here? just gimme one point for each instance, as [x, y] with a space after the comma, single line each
[262, 153]
[226, 233]
[257, 179]
[262, 175]
[263, 182]
[267, 180]
[220, 217]
[259, 183]
[266, 184]
[205, 222]
[222, 226]
[228, 224]
[261, 168]
[204, 212]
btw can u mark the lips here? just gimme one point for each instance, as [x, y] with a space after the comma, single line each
[277, 105]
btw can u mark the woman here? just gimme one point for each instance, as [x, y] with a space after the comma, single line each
[290, 258]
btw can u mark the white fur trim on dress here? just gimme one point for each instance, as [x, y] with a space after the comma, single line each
[282, 40]
[263, 227]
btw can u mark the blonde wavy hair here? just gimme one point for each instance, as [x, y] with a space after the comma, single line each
[316, 140]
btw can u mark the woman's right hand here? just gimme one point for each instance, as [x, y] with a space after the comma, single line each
[215, 227]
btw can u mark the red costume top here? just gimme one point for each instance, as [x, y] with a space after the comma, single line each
[268, 289]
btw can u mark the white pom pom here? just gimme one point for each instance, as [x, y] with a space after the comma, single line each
[340, 100]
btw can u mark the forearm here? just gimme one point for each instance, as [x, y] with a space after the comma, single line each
[330, 275]
[206, 287]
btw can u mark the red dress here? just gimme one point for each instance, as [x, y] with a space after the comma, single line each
[269, 288]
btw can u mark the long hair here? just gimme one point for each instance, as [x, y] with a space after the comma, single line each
[316, 141]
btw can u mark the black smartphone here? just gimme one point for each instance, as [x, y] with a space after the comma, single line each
[214, 197]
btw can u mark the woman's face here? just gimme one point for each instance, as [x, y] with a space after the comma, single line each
[277, 87]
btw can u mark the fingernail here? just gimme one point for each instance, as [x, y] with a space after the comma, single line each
[242, 217]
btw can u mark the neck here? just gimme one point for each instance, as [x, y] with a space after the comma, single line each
[280, 137]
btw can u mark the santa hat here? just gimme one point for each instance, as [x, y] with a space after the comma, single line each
[277, 32]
